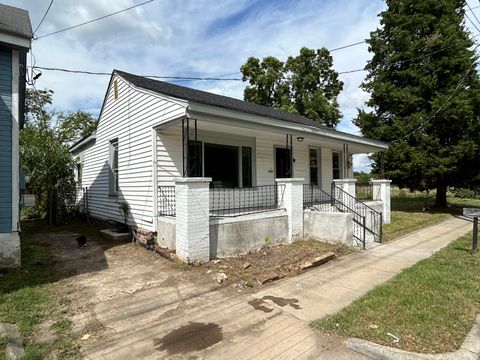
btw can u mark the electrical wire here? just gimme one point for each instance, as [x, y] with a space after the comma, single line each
[44, 16]
[93, 20]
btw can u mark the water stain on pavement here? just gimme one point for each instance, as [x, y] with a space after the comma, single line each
[283, 302]
[189, 338]
[259, 304]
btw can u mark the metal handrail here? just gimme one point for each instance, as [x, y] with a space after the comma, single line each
[377, 217]
[336, 204]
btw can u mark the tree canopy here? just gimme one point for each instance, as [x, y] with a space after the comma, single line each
[305, 84]
[44, 148]
[425, 97]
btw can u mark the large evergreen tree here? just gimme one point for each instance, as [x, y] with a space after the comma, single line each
[305, 84]
[425, 95]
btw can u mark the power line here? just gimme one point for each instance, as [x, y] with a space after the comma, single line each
[191, 78]
[347, 46]
[44, 16]
[93, 20]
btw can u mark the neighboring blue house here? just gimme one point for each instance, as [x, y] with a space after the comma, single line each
[15, 39]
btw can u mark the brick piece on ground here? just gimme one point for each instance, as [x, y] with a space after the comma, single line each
[319, 260]
[164, 252]
[322, 259]
[270, 276]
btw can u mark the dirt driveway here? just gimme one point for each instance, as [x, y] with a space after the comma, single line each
[129, 303]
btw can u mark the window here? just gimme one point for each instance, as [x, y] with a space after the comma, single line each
[314, 167]
[113, 181]
[283, 163]
[221, 164]
[79, 168]
[336, 165]
[246, 166]
[228, 166]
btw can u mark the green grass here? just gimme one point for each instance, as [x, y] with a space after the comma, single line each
[430, 306]
[27, 297]
[414, 212]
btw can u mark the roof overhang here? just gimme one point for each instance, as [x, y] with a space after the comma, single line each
[83, 142]
[234, 118]
[15, 41]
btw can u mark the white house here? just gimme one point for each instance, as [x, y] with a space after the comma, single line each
[214, 176]
[15, 39]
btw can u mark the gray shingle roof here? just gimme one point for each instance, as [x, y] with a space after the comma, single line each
[15, 21]
[207, 98]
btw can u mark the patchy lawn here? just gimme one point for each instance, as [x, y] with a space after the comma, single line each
[27, 297]
[430, 306]
[284, 260]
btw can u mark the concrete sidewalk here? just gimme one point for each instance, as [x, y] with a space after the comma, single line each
[333, 286]
[187, 322]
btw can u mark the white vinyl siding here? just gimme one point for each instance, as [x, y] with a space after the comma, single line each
[130, 119]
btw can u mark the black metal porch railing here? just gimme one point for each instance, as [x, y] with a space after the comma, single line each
[365, 216]
[242, 201]
[313, 196]
[166, 201]
[364, 191]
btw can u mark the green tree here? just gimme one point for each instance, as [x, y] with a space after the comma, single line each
[305, 85]
[44, 157]
[74, 126]
[424, 95]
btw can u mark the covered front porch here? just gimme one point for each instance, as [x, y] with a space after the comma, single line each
[257, 181]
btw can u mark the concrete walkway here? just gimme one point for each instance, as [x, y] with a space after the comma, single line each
[335, 285]
[180, 321]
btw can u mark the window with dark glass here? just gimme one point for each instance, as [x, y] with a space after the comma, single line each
[313, 167]
[221, 164]
[336, 165]
[246, 166]
[113, 181]
[283, 163]
[79, 174]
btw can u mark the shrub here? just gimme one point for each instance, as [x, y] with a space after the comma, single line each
[464, 193]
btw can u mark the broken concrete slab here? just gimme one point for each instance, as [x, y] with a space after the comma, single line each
[114, 235]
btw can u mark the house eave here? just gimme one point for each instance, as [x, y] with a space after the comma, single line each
[82, 142]
[298, 129]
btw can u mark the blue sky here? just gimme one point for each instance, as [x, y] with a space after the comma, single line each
[196, 38]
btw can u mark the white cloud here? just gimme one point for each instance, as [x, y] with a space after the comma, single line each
[203, 37]
[362, 163]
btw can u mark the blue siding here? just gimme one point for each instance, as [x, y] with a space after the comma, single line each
[5, 141]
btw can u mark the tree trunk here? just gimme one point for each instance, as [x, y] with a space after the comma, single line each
[441, 196]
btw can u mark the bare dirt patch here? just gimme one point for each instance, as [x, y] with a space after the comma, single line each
[243, 271]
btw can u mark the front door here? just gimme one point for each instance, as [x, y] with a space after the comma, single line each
[283, 164]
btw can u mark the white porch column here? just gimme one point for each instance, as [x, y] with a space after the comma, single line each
[381, 191]
[347, 185]
[290, 197]
[192, 198]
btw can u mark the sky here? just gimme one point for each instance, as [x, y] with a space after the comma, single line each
[201, 38]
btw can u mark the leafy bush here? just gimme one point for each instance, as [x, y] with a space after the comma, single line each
[464, 193]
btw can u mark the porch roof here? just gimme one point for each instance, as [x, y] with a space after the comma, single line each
[246, 113]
